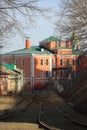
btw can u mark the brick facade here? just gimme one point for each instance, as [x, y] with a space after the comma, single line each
[52, 59]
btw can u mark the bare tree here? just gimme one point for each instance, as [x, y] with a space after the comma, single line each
[16, 15]
[73, 18]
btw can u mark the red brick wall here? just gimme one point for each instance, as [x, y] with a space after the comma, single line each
[38, 67]
[64, 51]
[64, 59]
[62, 44]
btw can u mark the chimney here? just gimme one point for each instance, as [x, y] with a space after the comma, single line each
[28, 43]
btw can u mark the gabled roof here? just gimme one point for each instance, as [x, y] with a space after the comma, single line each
[32, 50]
[12, 67]
[9, 66]
[51, 39]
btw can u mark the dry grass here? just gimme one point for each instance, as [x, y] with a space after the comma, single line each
[7, 102]
[19, 126]
[50, 96]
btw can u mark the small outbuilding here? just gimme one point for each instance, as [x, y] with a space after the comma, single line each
[11, 79]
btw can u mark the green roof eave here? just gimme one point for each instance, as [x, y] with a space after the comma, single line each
[12, 67]
[9, 66]
[32, 50]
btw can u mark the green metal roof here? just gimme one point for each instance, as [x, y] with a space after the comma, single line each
[37, 50]
[32, 50]
[51, 39]
[9, 66]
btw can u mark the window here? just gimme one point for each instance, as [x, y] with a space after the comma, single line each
[61, 62]
[67, 62]
[47, 74]
[61, 73]
[42, 73]
[41, 61]
[78, 62]
[73, 62]
[53, 73]
[46, 61]
[53, 63]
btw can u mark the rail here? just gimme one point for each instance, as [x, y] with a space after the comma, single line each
[70, 118]
[43, 123]
[26, 102]
[21, 105]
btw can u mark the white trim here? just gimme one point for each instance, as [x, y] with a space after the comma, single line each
[32, 66]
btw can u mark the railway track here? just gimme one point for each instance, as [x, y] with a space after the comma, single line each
[43, 121]
[78, 121]
[23, 105]
[37, 107]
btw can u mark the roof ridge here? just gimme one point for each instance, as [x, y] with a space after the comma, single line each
[33, 50]
[51, 38]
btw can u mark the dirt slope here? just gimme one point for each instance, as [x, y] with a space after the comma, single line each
[76, 92]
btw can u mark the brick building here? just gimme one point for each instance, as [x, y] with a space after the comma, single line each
[51, 59]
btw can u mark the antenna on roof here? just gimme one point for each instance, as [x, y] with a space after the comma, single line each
[28, 37]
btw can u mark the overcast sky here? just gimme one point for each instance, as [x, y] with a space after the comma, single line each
[44, 28]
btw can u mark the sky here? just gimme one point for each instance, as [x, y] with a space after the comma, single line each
[44, 28]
